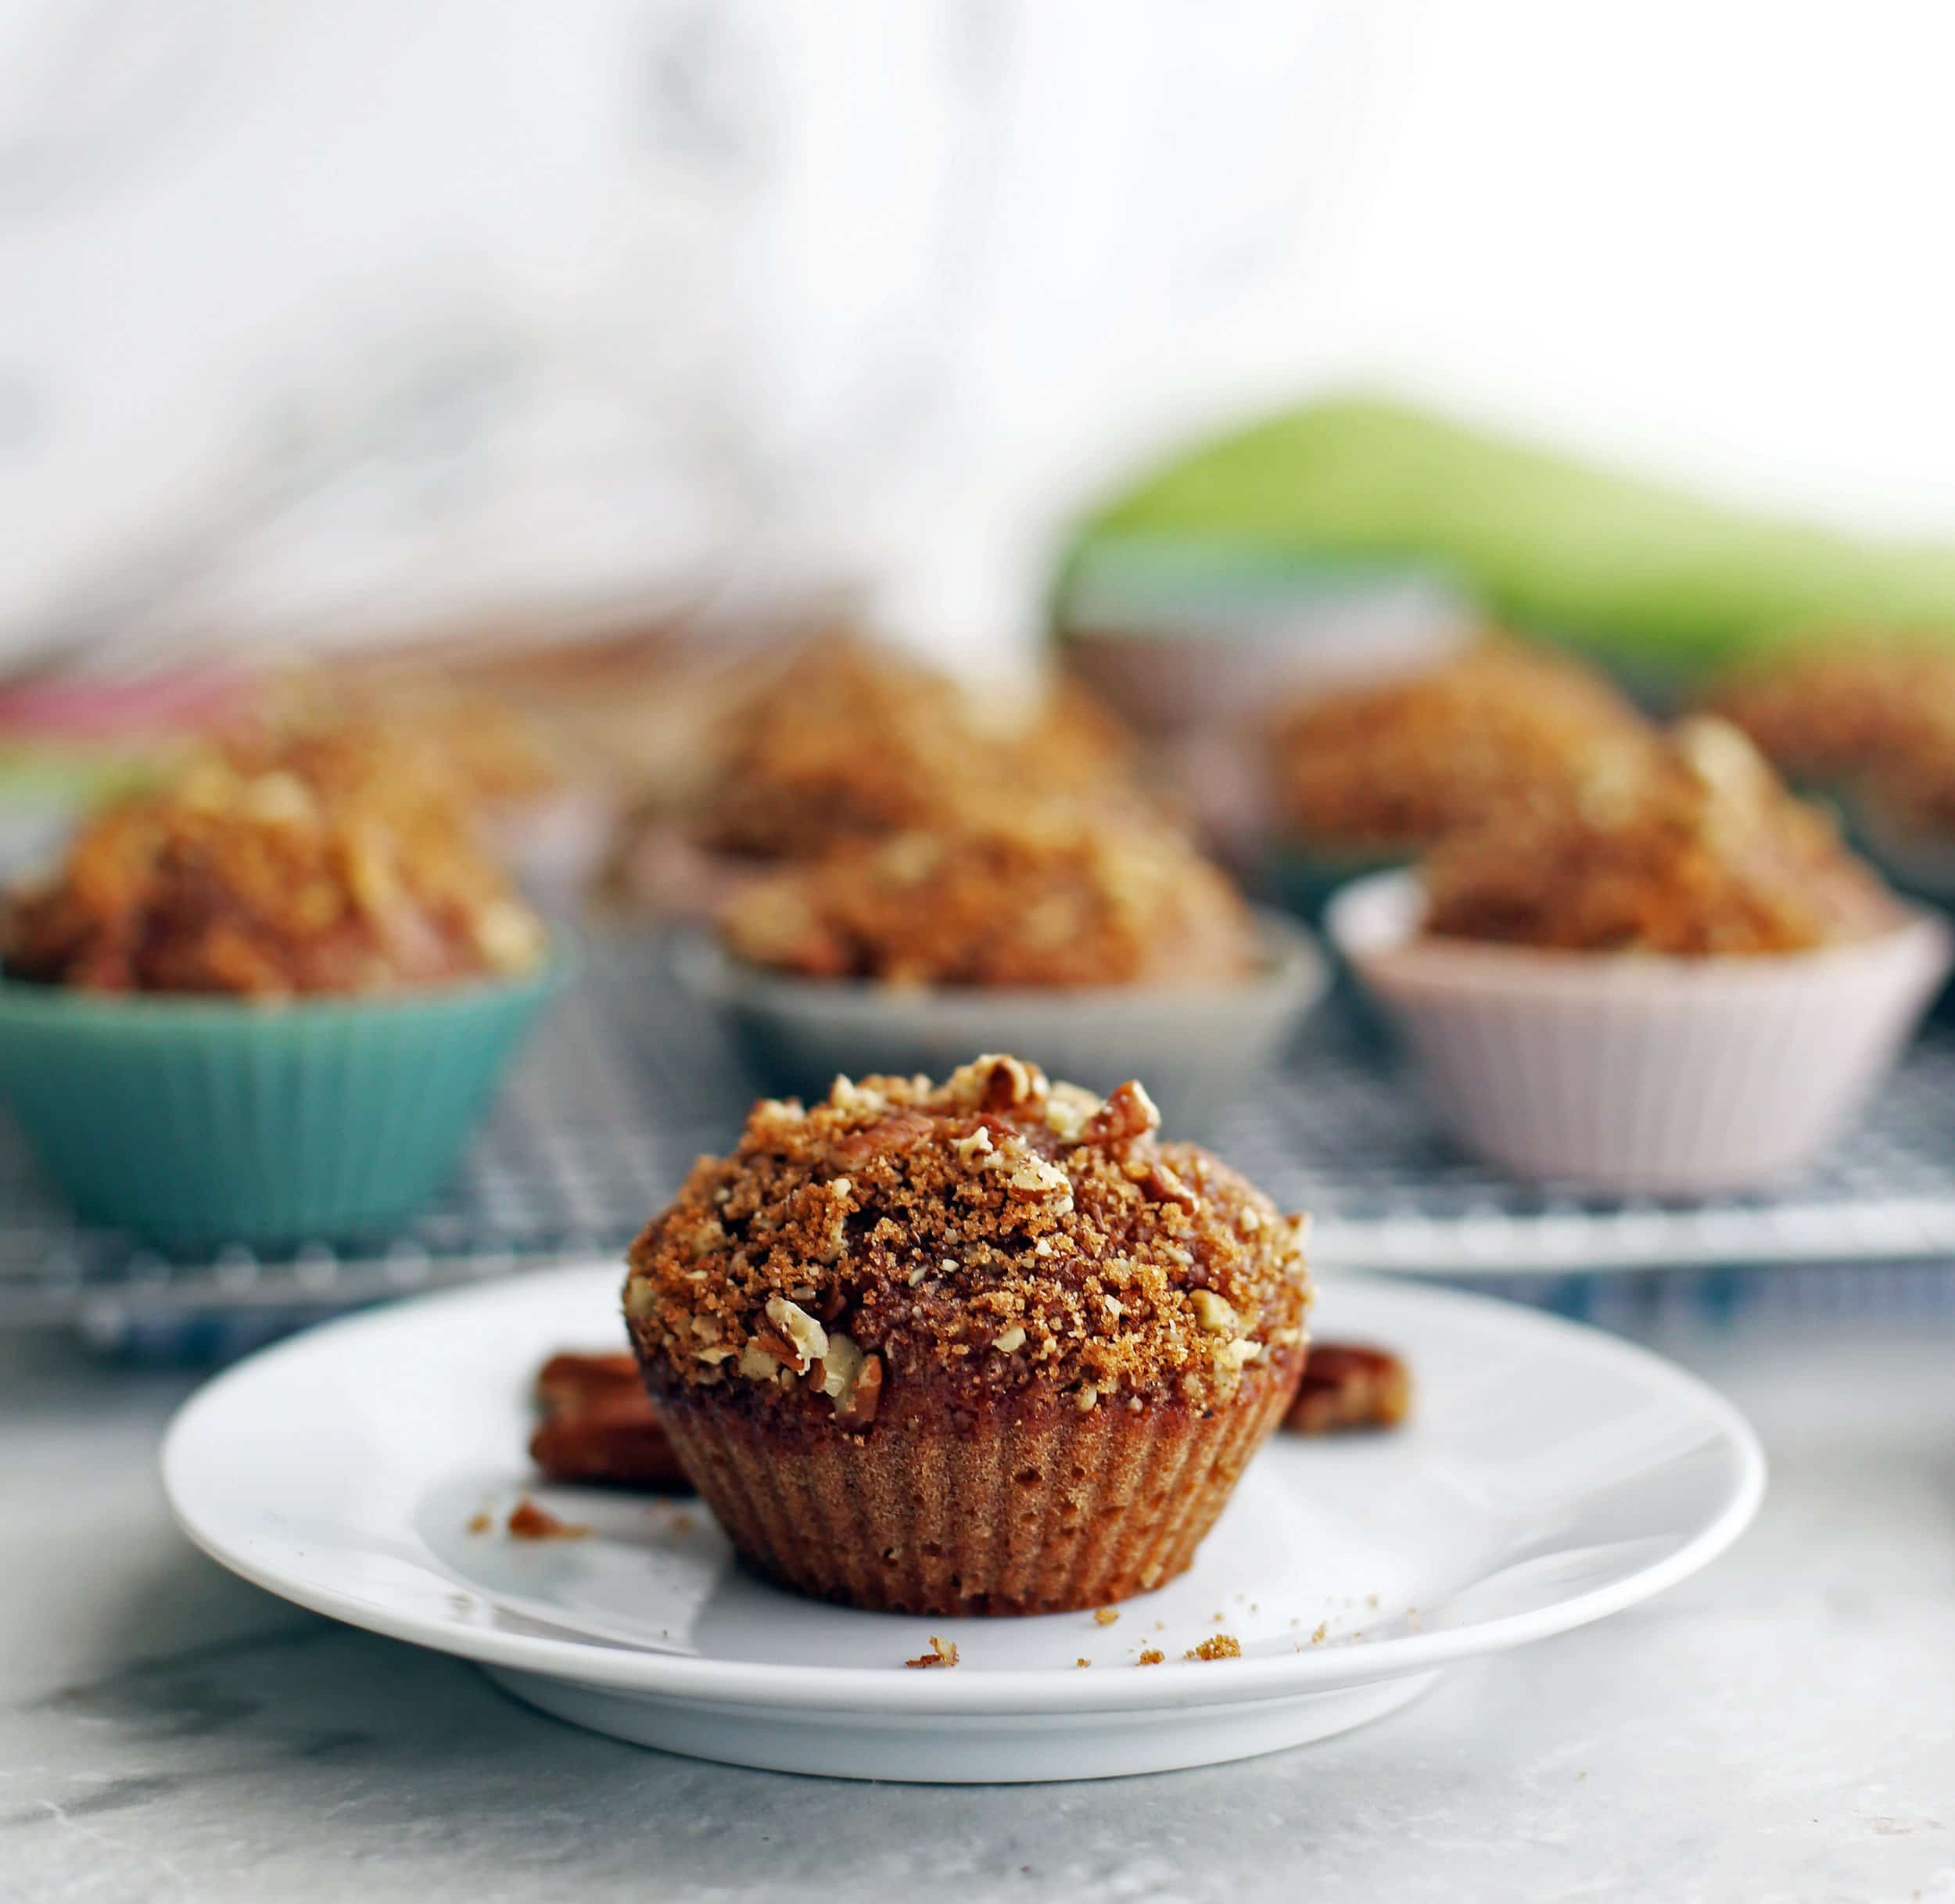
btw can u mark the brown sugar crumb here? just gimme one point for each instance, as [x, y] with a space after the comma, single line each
[528, 1521]
[1387, 768]
[942, 1653]
[1348, 1385]
[1021, 895]
[1217, 1646]
[894, 1235]
[274, 865]
[480, 1523]
[1105, 1616]
[1082, 1662]
[1704, 855]
[1321, 1633]
[1150, 1656]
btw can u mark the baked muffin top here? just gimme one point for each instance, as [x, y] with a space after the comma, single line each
[1391, 766]
[273, 867]
[849, 742]
[1704, 854]
[994, 1236]
[846, 743]
[1039, 895]
[1834, 709]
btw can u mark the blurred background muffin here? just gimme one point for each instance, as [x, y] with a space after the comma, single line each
[1828, 712]
[1376, 772]
[1019, 893]
[275, 865]
[1702, 853]
[1868, 720]
[841, 741]
[264, 1001]
[1106, 943]
[1689, 988]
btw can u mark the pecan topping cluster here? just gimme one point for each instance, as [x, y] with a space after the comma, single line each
[996, 1232]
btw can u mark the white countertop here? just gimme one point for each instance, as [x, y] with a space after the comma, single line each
[1781, 1728]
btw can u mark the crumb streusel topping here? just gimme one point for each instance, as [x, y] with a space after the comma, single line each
[990, 1234]
[1034, 896]
[1705, 855]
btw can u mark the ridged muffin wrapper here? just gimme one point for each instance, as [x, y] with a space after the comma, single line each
[1026, 1505]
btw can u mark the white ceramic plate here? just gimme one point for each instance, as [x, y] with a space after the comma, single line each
[1553, 1475]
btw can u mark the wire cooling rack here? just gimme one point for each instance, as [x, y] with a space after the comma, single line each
[626, 1082]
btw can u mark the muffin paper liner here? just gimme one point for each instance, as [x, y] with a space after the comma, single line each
[1035, 1508]
[1634, 1074]
[1198, 1050]
[203, 1121]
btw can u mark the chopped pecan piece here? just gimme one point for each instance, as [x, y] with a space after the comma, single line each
[1128, 1113]
[857, 1408]
[942, 1653]
[1349, 1385]
[1165, 1187]
[780, 1348]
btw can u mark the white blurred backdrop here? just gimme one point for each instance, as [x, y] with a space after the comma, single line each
[334, 316]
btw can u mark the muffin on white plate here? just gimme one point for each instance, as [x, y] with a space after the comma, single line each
[1685, 986]
[1102, 947]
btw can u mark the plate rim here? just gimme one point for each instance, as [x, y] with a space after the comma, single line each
[1003, 1690]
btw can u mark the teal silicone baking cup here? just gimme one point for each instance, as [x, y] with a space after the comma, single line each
[200, 1121]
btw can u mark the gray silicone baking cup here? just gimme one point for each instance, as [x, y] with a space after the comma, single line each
[1198, 1050]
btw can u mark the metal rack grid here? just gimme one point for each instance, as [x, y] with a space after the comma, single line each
[627, 1082]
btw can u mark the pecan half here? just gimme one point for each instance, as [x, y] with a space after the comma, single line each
[1348, 1385]
[598, 1426]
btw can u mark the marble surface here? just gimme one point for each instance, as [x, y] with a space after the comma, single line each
[1782, 1728]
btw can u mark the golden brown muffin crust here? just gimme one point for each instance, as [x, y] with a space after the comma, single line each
[1706, 855]
[994, 1238]
[1028, 896]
